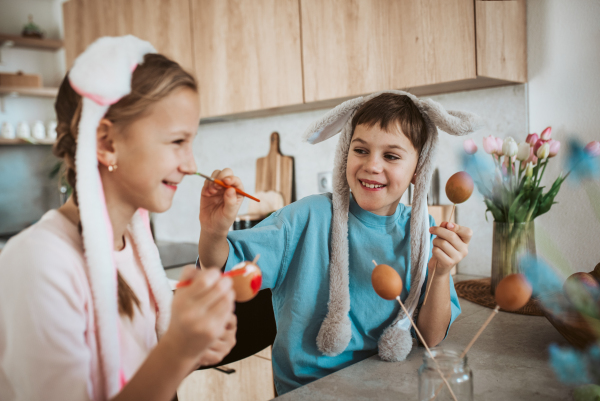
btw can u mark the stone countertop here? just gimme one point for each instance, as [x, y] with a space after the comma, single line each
[177, 254]
[509, 362]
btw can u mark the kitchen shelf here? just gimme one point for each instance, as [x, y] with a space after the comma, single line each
[14, 91]
[30, 43]
[29, 141]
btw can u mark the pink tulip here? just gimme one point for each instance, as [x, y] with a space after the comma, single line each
[499, 143]
[593, 148]
[489, 145]
[532, 139]
[470, 146]
[554, 147]
[546, 134]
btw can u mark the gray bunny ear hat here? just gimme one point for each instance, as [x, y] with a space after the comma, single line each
[335, 333]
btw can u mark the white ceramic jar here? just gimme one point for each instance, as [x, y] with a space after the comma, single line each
[8, 130]
[51, 130]
[39, 131]
[23, 130]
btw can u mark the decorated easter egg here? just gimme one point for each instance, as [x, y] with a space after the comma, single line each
[583, 291]
[513, 292]
[386, 282]
[459, 187]
[247, 279]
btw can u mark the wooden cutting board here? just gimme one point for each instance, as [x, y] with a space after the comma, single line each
[275, 172]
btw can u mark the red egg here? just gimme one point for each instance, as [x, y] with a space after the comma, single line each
[513, 292]
[247, 279]
[459, 187]
[386, 282]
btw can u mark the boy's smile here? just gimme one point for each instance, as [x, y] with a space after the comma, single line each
[380, 167]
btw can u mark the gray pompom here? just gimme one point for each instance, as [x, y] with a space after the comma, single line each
[395, 344]
[334, 336]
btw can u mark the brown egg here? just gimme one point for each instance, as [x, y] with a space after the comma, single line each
[582, 290]
[513, 292]
[247, 279]
[386, 282]
[459, 187]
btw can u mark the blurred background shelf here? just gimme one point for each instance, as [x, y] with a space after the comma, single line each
[19, 141]
[23, 91]
[31, 43]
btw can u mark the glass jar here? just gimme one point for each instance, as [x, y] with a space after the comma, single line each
[454, 369]
[511, 241]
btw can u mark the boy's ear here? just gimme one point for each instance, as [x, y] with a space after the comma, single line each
[105, 147]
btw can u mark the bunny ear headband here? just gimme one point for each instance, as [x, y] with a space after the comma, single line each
[335, 333]
[102, 76]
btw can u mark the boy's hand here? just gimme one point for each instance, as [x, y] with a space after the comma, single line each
[450, 246]
[219, 206]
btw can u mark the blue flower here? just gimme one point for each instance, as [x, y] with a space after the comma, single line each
[580, 164]
[569, 365]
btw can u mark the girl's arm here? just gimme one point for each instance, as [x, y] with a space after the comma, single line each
[201, 332]
[450, 247]
[218, 209]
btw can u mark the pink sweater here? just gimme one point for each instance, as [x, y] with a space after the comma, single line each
[48, 347]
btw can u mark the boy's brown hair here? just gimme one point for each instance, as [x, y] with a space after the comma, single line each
[389, 109]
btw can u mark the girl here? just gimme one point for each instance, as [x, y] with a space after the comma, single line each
[86, 312]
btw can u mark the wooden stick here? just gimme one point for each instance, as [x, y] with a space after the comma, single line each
[256, 259]
[426, 347]
[489, 319]
[436, 263]
[375, 263]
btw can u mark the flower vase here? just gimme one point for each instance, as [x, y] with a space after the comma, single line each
[511, 241]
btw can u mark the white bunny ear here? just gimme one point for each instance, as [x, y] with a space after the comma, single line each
[103, 72]
[452, 122]
[332, 122]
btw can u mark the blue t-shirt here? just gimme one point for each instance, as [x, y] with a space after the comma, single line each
[294, 249]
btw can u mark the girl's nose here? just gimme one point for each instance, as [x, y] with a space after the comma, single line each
[189, 164]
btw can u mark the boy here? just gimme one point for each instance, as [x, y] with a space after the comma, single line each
[316, 253]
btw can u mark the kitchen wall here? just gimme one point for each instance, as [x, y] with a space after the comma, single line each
[239, 143]
[26, 191]
[564, 92]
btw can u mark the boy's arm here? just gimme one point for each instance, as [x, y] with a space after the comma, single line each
[450, 247]
[218, 208]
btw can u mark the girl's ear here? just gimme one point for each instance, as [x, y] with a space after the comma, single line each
[414, 179]
[105, 147]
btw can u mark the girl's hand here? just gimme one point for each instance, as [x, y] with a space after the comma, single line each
[219, 206]
[222, 346]
[201, 314]
[449, 247]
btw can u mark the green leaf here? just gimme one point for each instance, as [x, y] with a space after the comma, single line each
[514, 207]
[496, 212]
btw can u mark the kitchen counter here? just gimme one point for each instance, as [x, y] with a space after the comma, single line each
[509, 362]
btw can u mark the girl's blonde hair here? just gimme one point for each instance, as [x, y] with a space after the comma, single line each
[153, 80]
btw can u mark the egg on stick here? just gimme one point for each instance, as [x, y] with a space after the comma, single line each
[246, 277]
[513, 293]
[458, 189]
[387, 283]
[247, 280]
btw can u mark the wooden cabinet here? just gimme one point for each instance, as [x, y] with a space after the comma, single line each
[165, 24]
[262, 56]
[251, 381]
[247, 54]
[362, 46]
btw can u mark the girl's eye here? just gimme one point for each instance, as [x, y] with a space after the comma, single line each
[392, 157]
[179, 141]
[359, 151]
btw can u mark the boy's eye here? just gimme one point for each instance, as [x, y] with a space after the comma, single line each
[179, 141]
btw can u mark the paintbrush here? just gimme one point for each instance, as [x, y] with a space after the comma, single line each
[221, 183]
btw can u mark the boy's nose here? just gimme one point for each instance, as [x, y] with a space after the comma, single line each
[373, 165]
